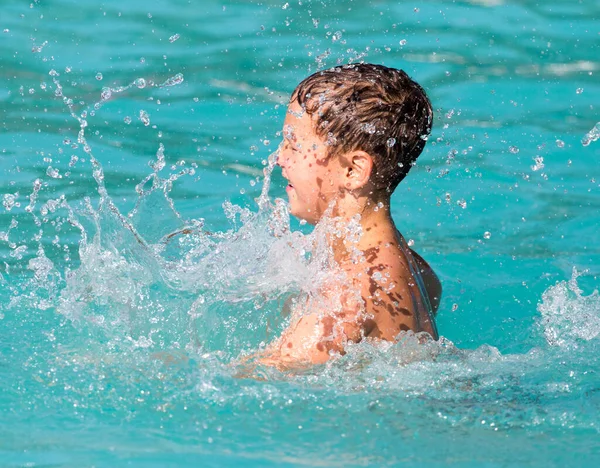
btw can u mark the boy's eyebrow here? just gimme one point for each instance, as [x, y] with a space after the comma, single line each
[298, 114]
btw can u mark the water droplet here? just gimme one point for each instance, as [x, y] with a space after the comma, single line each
[513, 149]
[539, 163]
[51, 172]
[402, 42]
[106, 94]
[140, 83]
[266, 142]
[144, 117]
[579, 90]
[592, 135]
[336, 36]
[454, 307]
[173, 38]
[560, 143]
[53, 72]
[391, 142]
[173, 81]
[37, 49]
[10, 201]
[411, 242]
[99, 76]
[369, 128]
[462, 203]
[487, 234]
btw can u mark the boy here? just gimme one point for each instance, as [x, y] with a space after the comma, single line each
[351, 134]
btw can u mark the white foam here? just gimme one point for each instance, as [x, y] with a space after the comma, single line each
[567, 316]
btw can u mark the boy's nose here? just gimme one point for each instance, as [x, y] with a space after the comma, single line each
[280, 159]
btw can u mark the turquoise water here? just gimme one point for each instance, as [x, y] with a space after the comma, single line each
[119, 347]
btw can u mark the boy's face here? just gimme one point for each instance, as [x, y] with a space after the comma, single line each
[315, 179]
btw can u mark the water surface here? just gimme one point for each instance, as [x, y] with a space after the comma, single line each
[116, 352]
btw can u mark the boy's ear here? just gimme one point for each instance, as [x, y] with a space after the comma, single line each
[358, 170]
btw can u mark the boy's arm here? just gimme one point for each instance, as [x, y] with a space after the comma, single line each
[314, 336]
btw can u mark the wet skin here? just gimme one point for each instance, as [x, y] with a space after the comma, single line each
[379, 298]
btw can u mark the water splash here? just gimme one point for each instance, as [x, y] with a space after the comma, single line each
[152, 281]
[568, 317]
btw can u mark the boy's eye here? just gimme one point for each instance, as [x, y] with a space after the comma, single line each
[288, 145]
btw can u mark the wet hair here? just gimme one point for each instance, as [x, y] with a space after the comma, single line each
[372, 108]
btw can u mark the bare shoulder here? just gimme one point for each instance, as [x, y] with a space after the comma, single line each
[383, 279]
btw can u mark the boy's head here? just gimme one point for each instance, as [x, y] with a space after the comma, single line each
[354, 109]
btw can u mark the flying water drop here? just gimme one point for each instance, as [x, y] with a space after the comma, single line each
[173, 81]
[592, 135]
[106, 94]
[539, 163]
[144, 117]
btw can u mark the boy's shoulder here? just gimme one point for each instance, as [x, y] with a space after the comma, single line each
[389, 290]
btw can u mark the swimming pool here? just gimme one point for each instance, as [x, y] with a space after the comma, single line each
[114, 352]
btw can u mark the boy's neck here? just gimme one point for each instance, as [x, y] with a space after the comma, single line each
[376, 224]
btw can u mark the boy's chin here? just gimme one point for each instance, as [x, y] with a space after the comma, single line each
[304, 217]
